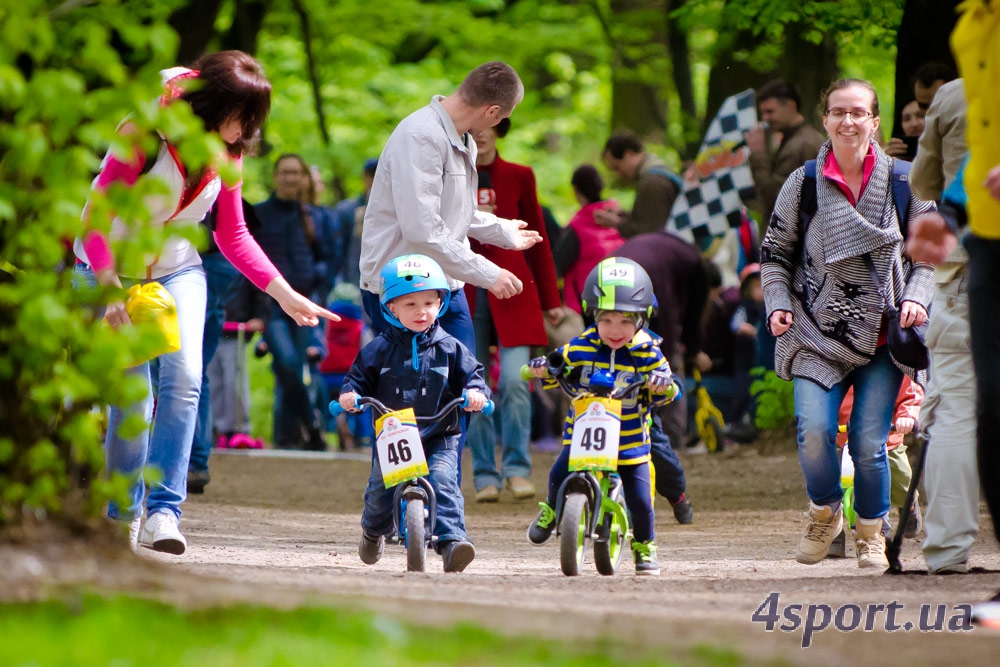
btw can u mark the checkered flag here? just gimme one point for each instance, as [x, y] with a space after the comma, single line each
[711, 202]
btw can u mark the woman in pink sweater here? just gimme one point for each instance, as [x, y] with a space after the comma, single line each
[232, 97]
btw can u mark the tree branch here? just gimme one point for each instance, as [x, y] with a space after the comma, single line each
[311, 65]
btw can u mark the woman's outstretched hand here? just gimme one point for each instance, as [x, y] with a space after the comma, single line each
[296, 306]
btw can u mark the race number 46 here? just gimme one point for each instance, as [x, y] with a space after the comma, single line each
[400, 452]
[596, 427]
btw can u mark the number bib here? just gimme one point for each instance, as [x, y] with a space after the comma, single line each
[400, 452]
[596, 428]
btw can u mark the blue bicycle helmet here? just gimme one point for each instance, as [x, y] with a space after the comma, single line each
[409, 274]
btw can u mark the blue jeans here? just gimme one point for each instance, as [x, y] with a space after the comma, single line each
[513, 414]
[876, 385]
[166, 446]
[293, 405]
[221, 279]
[443, 464]
[636, 486]
[457, 321]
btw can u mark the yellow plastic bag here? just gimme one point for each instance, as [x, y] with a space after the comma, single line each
[152, 304]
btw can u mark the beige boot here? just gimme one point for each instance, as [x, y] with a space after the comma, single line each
[521, 487]
[824, 524]
[870, 543]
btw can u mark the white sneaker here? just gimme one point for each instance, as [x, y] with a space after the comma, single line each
[160, 533]
[134, 527]
[824, 524]
[869, 541]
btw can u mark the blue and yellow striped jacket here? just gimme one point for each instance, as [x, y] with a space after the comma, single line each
[641, 356]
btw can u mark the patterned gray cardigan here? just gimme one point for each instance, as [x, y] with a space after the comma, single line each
[826, 285]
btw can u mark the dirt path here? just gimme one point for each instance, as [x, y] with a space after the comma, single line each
[291, 525]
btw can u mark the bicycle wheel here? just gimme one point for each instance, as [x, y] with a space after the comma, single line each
[608, 553]
[715, 435]
[573, 533]
[416, 544]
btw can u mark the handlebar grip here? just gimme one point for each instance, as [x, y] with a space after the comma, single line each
[336, 409]
[487, 409]
[526, 373]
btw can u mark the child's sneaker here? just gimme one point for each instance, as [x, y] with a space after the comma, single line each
[838, 548]
[683, 511]
[645, 558]
[160, 533]
[914, 522]
[371, 548]
[457, 555]
[824, 524]
[541, 528]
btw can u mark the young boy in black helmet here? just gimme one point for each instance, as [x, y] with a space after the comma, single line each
[619, 296]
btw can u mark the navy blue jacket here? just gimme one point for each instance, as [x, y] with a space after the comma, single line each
[283, 240]
[385, 369]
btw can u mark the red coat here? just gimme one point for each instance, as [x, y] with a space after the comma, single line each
[518, 320]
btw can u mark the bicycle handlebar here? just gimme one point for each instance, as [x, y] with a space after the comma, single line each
[555, 366]
[363, 402]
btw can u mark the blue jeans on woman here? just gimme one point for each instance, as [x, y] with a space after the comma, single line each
[222, 280]
[513, 414]
[166, 446]
[876, 386]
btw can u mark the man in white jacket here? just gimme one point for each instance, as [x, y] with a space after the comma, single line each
[424, 199]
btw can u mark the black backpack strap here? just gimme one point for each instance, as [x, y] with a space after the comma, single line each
[901, 193]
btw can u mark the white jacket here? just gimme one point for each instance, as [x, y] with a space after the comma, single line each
[423, 200]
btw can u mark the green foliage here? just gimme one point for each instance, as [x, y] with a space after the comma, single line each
[90, 631]
[775, 399]
[65, 87]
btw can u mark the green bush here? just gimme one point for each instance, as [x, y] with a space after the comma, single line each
[63, 90]
[774, 398]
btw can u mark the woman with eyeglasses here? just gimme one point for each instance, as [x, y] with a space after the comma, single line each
[824, 305]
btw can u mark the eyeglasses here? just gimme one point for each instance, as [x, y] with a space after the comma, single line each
[857, 115]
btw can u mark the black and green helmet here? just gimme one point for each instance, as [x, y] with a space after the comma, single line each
[618, 284]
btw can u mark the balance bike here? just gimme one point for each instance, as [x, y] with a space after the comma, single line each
[404, 466]
[591, 502]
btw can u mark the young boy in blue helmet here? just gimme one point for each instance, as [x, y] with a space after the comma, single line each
[415, 364]
[619, 296]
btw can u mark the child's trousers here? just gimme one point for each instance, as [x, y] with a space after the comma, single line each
[443, 464]
[635, 483]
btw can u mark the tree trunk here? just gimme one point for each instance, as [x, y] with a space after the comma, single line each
[638, 39]
[195, 25]
[311, 66]
[922, 38]
[680, 61]
[247, 21]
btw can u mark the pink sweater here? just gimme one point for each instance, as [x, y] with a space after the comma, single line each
[231, 234]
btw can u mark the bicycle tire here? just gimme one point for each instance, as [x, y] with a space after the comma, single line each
[715, 435]
[573, 527]
[608, 554]
[416, 543]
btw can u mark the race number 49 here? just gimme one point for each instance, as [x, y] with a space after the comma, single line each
[400, 451]
[596, 427]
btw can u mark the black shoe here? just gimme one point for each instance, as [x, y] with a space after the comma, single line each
[370, 549]
[838, 548]
[914, 522]
[316, 441]
[197, 480]
[683, 511]
[457, 555]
